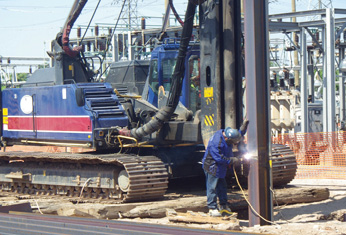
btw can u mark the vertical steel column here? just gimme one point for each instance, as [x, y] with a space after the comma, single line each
[303, 82]
[231, 63]
[257, 98]
[1, 114]
[324, 82]
[115, 48]
[342, 84]
[330, 46]
[311, 82]
[130, 51]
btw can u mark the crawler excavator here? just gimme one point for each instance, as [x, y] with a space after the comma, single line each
[139, 143]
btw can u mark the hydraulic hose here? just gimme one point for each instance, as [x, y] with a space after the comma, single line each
[176, 13]
[72, 52]
[165, 113]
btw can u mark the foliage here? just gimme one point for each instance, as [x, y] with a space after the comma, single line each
[21, 77]
[41, 66]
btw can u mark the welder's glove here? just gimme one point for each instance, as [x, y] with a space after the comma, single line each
[234, 161]
[244, 126]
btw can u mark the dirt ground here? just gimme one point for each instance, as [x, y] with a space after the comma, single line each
[317, 218]
[323, 217]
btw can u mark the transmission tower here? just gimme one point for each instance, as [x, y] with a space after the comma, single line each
[320, 4]
[129, 16]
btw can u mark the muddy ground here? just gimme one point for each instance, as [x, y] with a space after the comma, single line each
[187, 198]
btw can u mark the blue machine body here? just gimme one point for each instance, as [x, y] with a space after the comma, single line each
[53, 113]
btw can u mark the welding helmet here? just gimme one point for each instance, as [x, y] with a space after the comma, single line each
[233, 135]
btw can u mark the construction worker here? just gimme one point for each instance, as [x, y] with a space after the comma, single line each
[217, 158]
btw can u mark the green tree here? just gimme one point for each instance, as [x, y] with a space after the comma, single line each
[21, 77]
[41, 66]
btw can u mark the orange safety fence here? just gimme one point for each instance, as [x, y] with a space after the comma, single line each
[319, 155]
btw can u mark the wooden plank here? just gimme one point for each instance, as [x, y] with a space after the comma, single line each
[291, 195]
[199, 218]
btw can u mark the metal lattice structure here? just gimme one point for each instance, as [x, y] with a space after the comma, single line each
[320, 4]
[129, 17]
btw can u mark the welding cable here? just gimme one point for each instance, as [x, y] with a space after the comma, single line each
[253, 209]
[277, 204]
[38, 207]
[81, 192]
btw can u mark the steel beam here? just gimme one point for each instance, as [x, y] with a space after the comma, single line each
[12, 58]
[257, 98]
[330, 54]
[311, 79]
[47, 224]
[314, 39]
[342, 85]
[325, 113]
[303, 82]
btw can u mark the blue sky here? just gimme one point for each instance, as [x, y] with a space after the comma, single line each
[26, 26]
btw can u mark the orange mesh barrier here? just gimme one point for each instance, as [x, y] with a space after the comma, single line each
[319, 155]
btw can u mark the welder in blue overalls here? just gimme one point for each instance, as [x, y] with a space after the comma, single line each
[218, 156]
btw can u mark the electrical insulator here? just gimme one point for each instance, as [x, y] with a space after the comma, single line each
[317, 35]
[109, 31]
[286, 73]
[89, 46]
[8, 61]
[96, 30]
[143, 23]
[0, 60]
[344, 35]
[79, 32]
[30, 70]
[291, 78]
[296, 38]
[102, 46]
[272, 79]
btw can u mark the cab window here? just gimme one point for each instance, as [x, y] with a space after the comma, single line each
[154, 76]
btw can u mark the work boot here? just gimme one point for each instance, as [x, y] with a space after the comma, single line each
[225, 210]
[214, 213]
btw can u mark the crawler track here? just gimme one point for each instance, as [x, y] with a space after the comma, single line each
[89, 175]
[284, 165]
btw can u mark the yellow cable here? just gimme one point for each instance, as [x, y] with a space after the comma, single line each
[236, 177]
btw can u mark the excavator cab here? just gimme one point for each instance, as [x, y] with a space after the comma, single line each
[163, 61]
